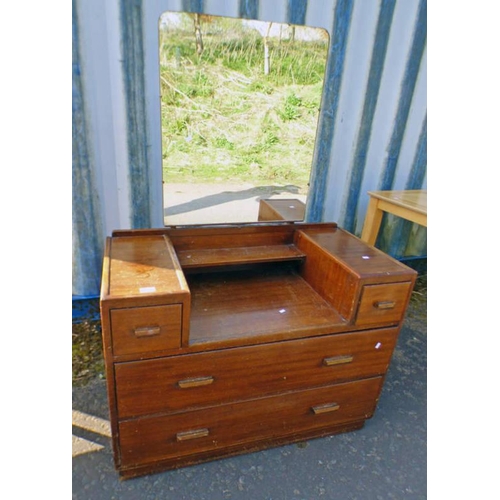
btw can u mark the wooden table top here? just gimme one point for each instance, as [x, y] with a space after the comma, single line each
[414, 199]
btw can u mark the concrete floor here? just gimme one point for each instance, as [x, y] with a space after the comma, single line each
[384, 460]
[220, 203]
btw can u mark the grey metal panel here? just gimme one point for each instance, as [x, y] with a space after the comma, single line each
[379, 50]
[137, 123]
[372, 126]
[86, 215]
[329, 107]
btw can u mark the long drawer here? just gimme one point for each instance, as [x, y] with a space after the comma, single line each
[149, 439]
[207, 379]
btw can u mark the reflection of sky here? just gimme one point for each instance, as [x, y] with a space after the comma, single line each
[171, 18]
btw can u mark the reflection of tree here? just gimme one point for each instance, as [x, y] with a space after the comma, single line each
[266, 49]
[197, 34]
[198, 19]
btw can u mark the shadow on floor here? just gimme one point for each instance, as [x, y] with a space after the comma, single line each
[229, 196]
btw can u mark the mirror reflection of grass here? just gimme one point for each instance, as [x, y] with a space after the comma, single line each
[223, 119]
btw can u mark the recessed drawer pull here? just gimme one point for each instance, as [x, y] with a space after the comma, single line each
[195, 434]
[318, 410]
[147, 331]
[337, 360]
[195, 382]
[385, 304]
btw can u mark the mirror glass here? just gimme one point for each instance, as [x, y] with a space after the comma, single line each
[240, 102]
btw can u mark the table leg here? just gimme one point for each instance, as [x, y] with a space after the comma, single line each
[372, 222]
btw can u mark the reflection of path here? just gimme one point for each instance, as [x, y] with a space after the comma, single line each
[219, 203]
[93, 424]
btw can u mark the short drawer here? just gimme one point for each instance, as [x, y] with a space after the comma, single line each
[383, 304]
[205, 379]
[146, 440]
[141, 330]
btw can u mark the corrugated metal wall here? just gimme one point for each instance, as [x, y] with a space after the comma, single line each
[372, 129]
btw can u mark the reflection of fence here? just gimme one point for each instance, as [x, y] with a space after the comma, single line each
[288, 31]
[92, 424]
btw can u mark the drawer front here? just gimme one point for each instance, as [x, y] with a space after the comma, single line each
[141, 330]
[207, 379]
[383, 303]
[146, 440]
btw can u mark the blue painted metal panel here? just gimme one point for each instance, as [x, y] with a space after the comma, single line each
[132, 30]
[418, 170]
[394, 232]
[85, 308]
[86, 216]
[331, 92]
[402, 240]
[371, 95]
[193, 5]
[249, 9]
[137, 123]
[407, 88]
[297, 11]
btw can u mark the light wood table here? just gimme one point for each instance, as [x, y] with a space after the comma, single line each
[410, 205]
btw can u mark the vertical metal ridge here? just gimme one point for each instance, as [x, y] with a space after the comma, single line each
[416, 176]
[86, 215]
[193, 5]
[296, 11]
[406, 94]
[401, 231]
[401, 241]
[249, 9]
[137, 133]
[371, 96]
[331, 92]
[416, 244]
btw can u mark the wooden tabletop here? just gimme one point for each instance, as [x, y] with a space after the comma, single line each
[415, 199]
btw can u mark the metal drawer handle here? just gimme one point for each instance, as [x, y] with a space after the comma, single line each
[327, 408]
[337, 360]
[195, 434]
[147, 331]
[385, 304]
[195, 382]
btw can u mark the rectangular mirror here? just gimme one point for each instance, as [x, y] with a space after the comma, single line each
[240, 102]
